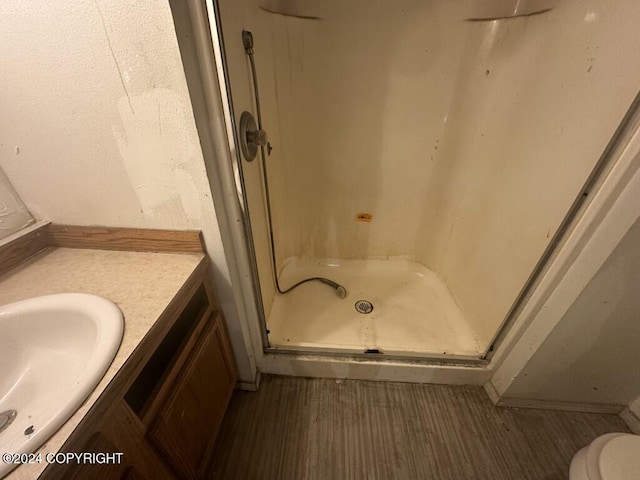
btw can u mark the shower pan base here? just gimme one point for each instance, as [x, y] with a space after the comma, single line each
[413, 314]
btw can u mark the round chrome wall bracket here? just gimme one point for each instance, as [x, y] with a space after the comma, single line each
[250, 136]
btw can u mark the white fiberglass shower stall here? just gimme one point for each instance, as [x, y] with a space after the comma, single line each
[424, 154]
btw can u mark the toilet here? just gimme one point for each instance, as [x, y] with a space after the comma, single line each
[614, 456]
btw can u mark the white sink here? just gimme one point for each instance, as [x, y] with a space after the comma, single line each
[53, 352]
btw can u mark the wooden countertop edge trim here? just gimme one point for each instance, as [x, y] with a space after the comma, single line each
[126, 239]
[48, 235]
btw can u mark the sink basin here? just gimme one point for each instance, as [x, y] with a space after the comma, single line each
[53, 352]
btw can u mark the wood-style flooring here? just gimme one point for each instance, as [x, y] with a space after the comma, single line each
[321, 429]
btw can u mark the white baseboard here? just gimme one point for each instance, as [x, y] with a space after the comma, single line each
[631, 419]
[250, 386]
[608, 408]
[561, 405]
[493, 394]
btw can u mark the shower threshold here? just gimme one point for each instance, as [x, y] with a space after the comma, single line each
[393, 309]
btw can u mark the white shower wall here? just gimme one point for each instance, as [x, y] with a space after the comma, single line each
[466, 142]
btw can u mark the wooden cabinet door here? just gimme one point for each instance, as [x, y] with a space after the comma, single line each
[186, 426]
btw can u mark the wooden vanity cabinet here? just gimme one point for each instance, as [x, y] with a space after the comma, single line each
[192, 413]
[163, 409]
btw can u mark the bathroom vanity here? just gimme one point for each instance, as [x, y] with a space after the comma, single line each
[161, 402]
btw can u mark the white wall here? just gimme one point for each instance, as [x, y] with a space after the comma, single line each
[93, 95]
[466, 141]
[97, 126]
[592, 355]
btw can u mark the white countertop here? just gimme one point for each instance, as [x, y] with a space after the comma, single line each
[142, 284]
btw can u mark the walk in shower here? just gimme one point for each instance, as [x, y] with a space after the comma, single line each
[424, 154]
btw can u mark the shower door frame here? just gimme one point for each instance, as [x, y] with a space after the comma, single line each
[581, 208]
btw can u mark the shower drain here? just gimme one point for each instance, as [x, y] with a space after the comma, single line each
[364, 306]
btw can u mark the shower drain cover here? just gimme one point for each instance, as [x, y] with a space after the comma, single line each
[364, 306]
